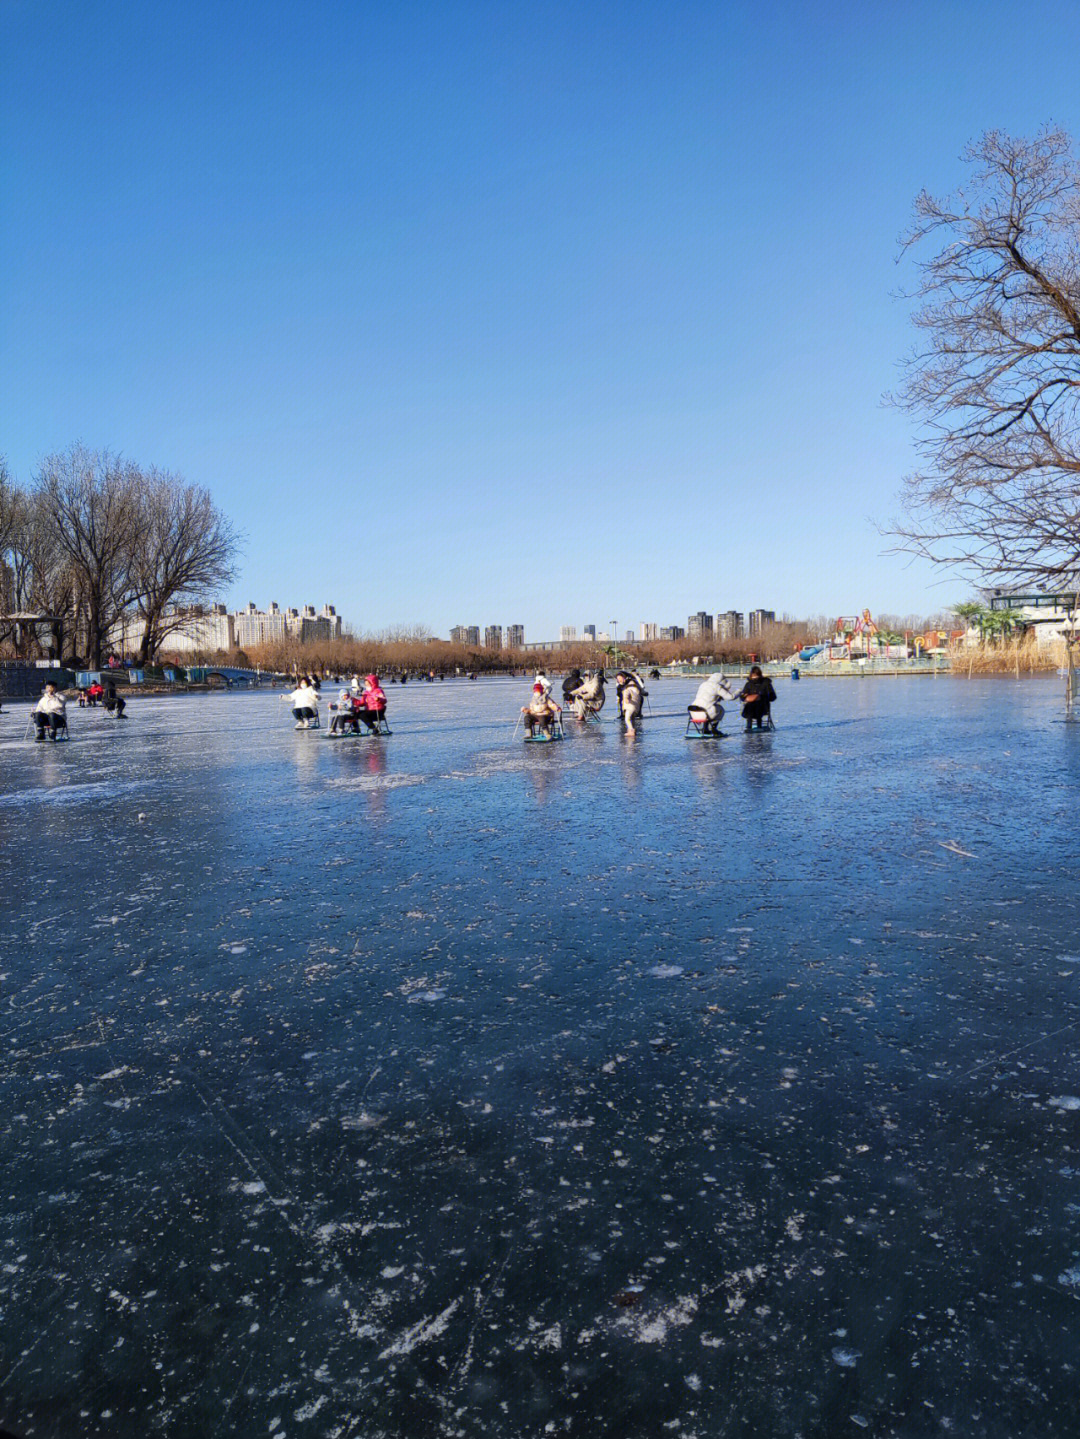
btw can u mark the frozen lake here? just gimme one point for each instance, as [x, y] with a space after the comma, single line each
[445, 1085]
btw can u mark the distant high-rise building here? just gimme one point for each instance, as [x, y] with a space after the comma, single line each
[648, 632]
[256, 627]
[628, 637]
[515, 637]
[699, 626]
[568, 633]
[590, 633]
[672, 632]
[493, 637]
[758, 619]
[729, 625]
[465, 635]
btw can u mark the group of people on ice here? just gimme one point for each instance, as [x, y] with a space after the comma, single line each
[358, 705]
[50, 713]
[586, 695]
[757, 696]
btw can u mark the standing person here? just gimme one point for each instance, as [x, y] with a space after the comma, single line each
[305, 703]
[757, 694]
[631, 696]
[372, 704]
[50, 713]
[711, 691]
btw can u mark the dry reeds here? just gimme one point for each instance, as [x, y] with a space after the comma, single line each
[412, 653]
[1017, 657]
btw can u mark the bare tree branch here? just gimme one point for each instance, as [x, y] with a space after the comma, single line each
[997, 385]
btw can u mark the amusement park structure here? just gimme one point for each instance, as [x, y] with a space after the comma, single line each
[860, 638]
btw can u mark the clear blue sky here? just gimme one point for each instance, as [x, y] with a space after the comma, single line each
[498, 313]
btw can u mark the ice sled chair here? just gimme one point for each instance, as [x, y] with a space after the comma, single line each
[539, 735]
[696, 721]
[380, 726]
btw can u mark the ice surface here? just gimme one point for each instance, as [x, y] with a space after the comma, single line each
[444, 1085]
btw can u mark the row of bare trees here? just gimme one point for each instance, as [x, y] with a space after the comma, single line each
[416, 652]
[101, 545]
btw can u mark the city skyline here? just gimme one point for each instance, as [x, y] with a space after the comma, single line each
[605, 296]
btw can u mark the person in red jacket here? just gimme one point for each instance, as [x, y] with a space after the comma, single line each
[372, 707]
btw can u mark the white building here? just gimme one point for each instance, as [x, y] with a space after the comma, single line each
[1049, 618]
[190, 630]
[568, 633]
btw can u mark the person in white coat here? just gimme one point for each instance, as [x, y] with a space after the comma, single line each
[305, 703]
[589, 696]
[50, 713]
[631, 694]
[711, 691]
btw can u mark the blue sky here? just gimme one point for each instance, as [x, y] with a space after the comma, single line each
[492, 313]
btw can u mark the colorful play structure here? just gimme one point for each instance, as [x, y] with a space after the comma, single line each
[860, 639]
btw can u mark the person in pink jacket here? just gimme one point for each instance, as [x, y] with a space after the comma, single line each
[372, 708]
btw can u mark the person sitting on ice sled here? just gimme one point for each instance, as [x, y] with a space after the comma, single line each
[711, 691]
[541, 712]
[49, 714]
[305, 703]
[589, 696]
[343, 714]
[371, 707]
[757, 695]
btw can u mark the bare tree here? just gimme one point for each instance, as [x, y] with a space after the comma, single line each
[184, 551]
[996, 384]
[89, 512]
[10, 499]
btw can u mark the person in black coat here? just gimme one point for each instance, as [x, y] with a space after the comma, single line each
[757, 694]
[570, 683]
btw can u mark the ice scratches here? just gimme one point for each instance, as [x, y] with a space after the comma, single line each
[69, 793]
[540, 1338]
[378, 782]
[422, 1332]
